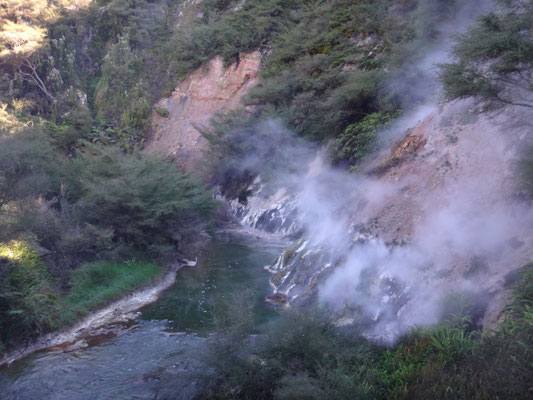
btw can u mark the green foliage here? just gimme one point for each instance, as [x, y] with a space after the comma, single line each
[162, 112]
[144, 200]
[493, 60]
[80, 206]
[323, 68]
[110, 61]
[227, 33]
[478, 365]
[94, 285]
[120, 94]
[303, 356]
[324, 74]
[28, 303]
[317, 77]
[24, 162]
[357, 140]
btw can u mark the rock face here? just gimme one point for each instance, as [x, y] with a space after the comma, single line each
[213, 88]
[274, 214]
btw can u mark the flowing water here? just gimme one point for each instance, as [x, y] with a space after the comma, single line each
[169, 339]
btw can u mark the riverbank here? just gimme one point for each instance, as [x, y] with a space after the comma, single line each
[162, 353]
[119, 311]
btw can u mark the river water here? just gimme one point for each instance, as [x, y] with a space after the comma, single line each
[169, 339]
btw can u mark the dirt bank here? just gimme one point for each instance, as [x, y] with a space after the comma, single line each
[211, 89]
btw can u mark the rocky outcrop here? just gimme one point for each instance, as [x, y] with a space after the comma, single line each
[272, 213]
[213, 88]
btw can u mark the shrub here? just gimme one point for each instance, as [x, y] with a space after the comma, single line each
[303, 355]
[25, 164]
[163, 112]
[357, 140]
[146, 201]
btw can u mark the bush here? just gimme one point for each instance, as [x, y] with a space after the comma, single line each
[303, 355]
[163, 112]
[25, 166]
[146, 201]
[357, 140]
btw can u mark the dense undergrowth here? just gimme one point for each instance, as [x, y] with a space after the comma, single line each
[304, 356]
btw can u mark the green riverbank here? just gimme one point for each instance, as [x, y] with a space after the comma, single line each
[32, 305]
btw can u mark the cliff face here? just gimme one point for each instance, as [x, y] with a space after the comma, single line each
[213, 88]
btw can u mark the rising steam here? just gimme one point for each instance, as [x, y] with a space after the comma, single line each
[460, 231]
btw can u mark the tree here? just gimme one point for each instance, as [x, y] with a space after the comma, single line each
[21, 37]
[23, 163]
[494, 59]
[145, 200]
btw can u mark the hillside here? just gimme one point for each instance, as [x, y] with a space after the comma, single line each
[384, 144]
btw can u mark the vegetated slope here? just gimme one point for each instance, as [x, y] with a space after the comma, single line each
[337, 70]
[70, 194]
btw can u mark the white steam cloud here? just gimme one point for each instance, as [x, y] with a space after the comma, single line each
[446, 220]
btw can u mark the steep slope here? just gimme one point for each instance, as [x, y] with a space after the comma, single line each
[211, 89]
[439, 213]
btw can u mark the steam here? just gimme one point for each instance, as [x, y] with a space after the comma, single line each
[444, 225]
[434, 263]
[416, 82]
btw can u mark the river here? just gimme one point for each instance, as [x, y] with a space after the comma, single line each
[169, 339]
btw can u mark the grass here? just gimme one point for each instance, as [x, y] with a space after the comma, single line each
[30, 300]
[97, 284]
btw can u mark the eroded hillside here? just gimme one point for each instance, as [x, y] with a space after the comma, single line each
[214, 88]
